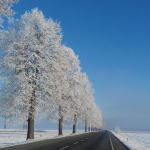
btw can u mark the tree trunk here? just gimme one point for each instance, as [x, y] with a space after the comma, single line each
[89, 129]
[74, 128]
[60, 121]
[33, 103]
[24, 125]
[74, 125]
[85, 126]
[30, 134]
[4, 125]
[60, 125]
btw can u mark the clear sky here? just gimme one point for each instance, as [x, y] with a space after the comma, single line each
[112, 39]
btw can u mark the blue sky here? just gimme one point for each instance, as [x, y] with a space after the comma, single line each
[112, 39]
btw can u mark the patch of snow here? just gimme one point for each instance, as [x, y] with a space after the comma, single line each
[134, 140]
[10, 137]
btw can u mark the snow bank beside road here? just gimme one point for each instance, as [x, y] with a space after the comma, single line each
[14, 137]
[134, 140]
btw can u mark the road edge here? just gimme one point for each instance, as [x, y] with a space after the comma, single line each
[120, 140]
[40, 140]
[112, 147]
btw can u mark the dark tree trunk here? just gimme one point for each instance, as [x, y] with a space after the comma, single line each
[85, 126]
[74, 125]
[74, 128]
[33, 102]
[89, 129]
[5, 123]
[60, 121]
[30, 134]
[60, 125]
[24, 125]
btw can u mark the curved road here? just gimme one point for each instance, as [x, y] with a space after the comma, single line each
[101, 140]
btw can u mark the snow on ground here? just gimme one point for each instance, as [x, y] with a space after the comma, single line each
[10, 137]
[134, 140]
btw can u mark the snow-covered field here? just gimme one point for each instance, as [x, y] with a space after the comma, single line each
[134, 140]
[13, 137]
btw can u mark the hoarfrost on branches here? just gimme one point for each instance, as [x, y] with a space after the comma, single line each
[28, 64]
[5, 9]
[41, 77]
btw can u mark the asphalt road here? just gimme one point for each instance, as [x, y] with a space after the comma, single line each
[101, 140]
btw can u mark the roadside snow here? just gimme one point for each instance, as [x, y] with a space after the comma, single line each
[134, 140]
[15, 137]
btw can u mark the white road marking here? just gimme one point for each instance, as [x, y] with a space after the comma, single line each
[63, 147]
[112, 147]
[82, 140]
[76, 143]
[86, 138]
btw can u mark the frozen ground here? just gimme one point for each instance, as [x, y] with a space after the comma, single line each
[13, 137]
[134, 140]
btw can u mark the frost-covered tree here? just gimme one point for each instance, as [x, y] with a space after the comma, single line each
[42, 78]
[68, 66]
[78, 98]
[5, 9]
[85, 110]
[96, 119]
[86, 100]
[79, 95]
[72, 92]
[28, 65]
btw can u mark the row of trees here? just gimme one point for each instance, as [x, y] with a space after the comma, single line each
[42, 78]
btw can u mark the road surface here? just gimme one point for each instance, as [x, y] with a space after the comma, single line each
[101, 140]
